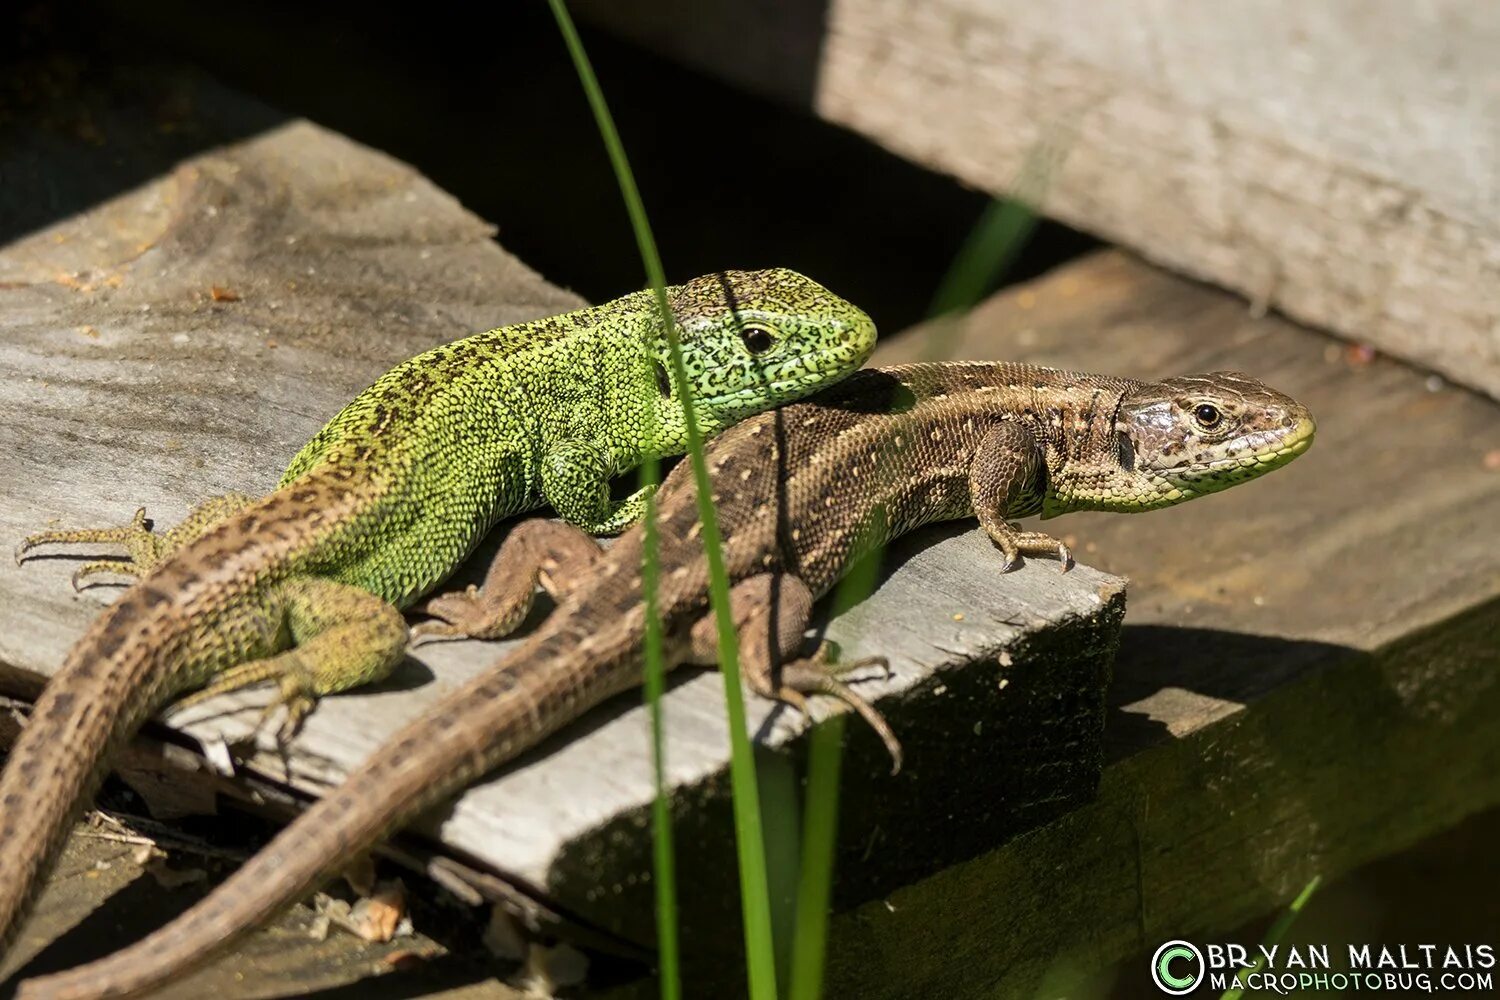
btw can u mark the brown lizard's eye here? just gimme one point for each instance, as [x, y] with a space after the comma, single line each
[663, 384]
[757, 340]
[1207, 415]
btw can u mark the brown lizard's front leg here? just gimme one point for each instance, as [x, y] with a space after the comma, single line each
[552, 553]
[771, 612]
[1006, 470]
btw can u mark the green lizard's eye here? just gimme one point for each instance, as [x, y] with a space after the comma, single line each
[757, 340]
[663, 384]
[1207, 415]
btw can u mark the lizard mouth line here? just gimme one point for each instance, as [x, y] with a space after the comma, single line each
[1271, 457]
[1283, 451]
[775, 387]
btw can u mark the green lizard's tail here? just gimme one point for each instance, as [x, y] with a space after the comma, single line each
[131, 662]
[104, 690]
[502, 712]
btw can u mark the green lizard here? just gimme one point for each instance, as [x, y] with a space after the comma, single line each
[303, 587]
[801, 493]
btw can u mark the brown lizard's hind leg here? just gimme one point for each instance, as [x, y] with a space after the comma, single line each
[771, 612]
[342, 637]
[552, 553]
[143, 548]
[1006, 470]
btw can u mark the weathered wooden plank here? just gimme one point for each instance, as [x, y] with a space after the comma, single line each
[127, 384]
[184, 338]
[1337, 161]
[1308, 679]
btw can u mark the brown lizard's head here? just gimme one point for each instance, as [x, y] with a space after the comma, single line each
[1183, 437]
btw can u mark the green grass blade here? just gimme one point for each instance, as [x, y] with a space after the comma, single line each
[820, 817]
[1275, 934]
[754, 893]
[820, 814]
[669, 957]
[991, 247]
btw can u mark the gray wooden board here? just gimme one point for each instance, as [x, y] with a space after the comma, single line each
[1335, 160]
[183, 338]
[1308, 678]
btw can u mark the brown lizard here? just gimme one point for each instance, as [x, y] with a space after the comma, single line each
[801, 493]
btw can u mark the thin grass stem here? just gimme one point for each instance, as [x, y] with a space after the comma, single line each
[749, 838]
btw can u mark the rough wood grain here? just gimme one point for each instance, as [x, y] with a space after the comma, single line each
[1308, 679]
[1336, 160]
[183, 339]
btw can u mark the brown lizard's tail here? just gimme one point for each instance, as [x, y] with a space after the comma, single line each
[474, 729]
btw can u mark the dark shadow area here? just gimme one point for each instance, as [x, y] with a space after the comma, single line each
[446, 972]
[84, 117]
[1230, 666]
[497, 118]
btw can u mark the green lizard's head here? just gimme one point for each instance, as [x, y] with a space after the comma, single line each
[752, 340]
[1184, 437]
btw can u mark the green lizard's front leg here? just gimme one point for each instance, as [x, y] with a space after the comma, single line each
[575, 481]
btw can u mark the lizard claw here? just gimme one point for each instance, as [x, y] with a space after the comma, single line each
[1014, 544]
[813, 676]
[434, 631]
[133, 536]
[828, 654]
[121, 566]
[470, 614]
[293, 695]
[452, 605]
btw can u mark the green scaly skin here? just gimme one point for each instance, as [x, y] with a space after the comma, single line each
[550, 411]
[303, 587]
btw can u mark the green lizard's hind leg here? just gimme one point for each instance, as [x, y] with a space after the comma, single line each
[342, 637]
[551, 553]
[143, 548]
[771, 612]
[575, 481]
